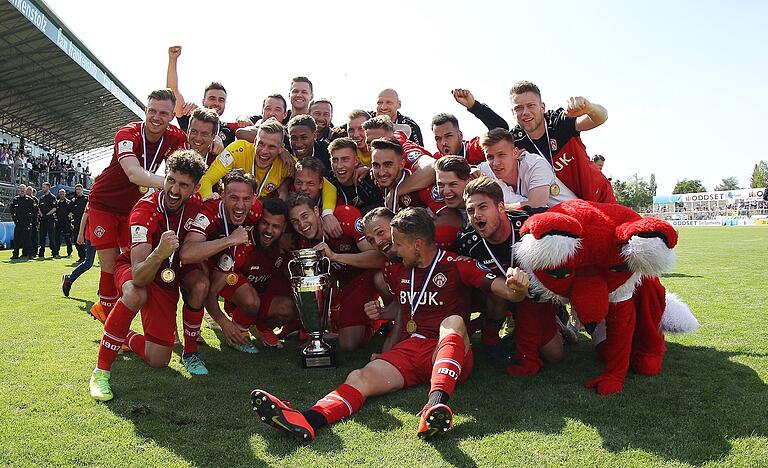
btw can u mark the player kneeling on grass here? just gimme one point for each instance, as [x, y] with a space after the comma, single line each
[148, 274]
[433, 288]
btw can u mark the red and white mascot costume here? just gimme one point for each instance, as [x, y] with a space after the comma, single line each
[605, 260]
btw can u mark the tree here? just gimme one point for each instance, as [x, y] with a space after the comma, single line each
[652, 185]
[729, 183]
[635, 193]
[688, 186]
[759, 175]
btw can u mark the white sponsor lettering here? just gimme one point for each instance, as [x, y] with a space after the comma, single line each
[449, 372]
[429, 298]
[109, 345]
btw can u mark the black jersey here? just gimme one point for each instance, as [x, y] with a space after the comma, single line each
[472, 245]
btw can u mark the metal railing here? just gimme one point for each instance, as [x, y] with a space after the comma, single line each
[15, 175]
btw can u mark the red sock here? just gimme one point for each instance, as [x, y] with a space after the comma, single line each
[107, 291]
[136, 342]
[192, 319]
[340, 403]
[115, 330]
[448, 362]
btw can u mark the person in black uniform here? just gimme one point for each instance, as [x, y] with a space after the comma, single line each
[77, 208]
[23, 210]
[63, 227]
[34, 227]
[362, 194]
[47, 221]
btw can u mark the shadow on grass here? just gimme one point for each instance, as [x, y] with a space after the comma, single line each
[85, 303]
[679, 275]
[700, 401]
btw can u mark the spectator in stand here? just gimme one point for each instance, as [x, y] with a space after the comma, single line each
[5, 164]
[79, 174]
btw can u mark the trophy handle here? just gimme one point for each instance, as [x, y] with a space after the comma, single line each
[290, 270]
[328, 264]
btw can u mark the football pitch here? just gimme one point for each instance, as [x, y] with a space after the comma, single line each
[709, 405]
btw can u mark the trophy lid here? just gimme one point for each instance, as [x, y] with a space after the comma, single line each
[307, 254]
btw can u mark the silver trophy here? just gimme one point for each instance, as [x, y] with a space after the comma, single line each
[311, 284]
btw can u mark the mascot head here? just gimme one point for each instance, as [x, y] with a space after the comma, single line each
[591, 254]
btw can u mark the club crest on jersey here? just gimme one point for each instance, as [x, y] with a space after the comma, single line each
[436, 194]
[345, 248]
[406, 200]
[359, 225]
[99, 231]
[278, 262]
[439, 280]
[413, 155]
[188, 224]
[270, 187]
[553, 144]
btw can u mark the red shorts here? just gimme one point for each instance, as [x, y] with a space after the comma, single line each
[352, 298]
[158, 315]
[276, 287]
[107, 230]
[412, 357]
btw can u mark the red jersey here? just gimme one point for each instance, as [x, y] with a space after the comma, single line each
[148, 220]
[261, 266]
[428, 197]
[471, 150]
[447, 291]
[346, 243]
[112, 191]
[211, 222]
[411, 151]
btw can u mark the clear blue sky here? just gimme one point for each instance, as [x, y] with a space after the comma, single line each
[684, 82]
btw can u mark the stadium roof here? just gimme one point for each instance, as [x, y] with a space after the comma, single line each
[53, 90]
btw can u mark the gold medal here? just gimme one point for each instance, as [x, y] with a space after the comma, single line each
[143, 189]
[231, 279]
[554, 190]
[410, 327]
[168, 275]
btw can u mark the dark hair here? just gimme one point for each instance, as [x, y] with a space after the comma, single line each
[238, 175]
[320, 101]
[312, 164]
[165, 94]
[343, 142]
[415, 223]
[496, 135]
[187, 162]
[441, 119]
[204, 114]
[456, 164]
[274, 96]
[380, 121]
[598, 157]
[295, 199]
[387, 143]
[303, 79]
[214, 85]
[525, 87]
[484, 185]
[303, 120]
[275, 206]
[378, 212]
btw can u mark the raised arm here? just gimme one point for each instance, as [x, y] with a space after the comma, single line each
[172, 78]
[588, 114]
[487, 116]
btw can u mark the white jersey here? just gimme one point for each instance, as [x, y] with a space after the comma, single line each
[532, 171]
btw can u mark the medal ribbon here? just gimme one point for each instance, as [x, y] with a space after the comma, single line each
[511, 255]
[415, 304]
[266, 176]
[538, 150]
[161, 199]
[152, 167]
[394, 198]
[226, 229]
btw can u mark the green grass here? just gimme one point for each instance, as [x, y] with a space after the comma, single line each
[708, 406]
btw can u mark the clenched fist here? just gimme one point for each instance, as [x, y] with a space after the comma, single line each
[174, 51]
[517, 280]
[239, 236]
[464, 97]
[169, 242]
